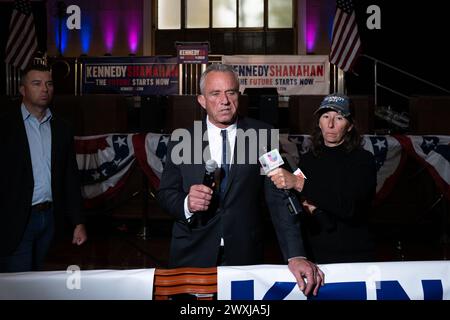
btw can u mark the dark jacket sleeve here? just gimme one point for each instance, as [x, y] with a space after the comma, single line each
[351, 195]
[287, 226]
[170, 193]
[73, 199]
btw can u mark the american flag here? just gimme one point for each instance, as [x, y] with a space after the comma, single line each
[22, 42]
[345, 44]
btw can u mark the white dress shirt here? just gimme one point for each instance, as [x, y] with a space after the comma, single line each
[215, 148]
[39, 135]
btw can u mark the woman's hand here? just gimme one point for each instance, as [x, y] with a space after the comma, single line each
[286, 180]
[308, 207]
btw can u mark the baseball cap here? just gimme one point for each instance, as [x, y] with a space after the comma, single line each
[336, 102]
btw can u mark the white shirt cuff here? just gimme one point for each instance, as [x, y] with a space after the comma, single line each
[187, 213]
[299, 172]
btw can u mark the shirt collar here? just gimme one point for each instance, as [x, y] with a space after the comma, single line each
[212, 128]
[26, 114]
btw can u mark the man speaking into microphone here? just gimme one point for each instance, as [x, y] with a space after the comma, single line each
[222, 224]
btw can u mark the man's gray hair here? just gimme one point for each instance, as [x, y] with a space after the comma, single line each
[218, 67]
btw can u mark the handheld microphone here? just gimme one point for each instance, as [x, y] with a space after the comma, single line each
[270, 161]
[210, 169]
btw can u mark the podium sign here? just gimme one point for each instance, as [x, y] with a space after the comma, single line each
[192, 53]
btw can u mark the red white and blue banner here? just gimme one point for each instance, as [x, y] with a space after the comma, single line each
[433, 152]
[151, 152]
[105, 161]
[130, 75]
[427, 280]
[291, 75]
[389, 160]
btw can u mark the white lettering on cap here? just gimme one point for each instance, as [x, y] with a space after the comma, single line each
[335, 99]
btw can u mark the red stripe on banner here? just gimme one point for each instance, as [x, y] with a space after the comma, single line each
[440, 183]
[90, 146]
[390, 182]
[141, 157]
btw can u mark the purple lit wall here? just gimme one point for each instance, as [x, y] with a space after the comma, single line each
[116, 27]
[108, 22]
[113, 26]
[318, 26]
[133, 26]
[312, 28]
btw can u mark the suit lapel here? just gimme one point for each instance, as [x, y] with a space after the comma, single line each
[23, 142]
[205, 143]
[200, 168]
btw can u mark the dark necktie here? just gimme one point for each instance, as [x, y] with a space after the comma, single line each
[225, 162]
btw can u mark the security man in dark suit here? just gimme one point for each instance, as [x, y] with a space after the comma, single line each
[39, 176]
[225, 227]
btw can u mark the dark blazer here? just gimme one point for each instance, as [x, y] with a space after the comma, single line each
[16, 177]
[238, 218]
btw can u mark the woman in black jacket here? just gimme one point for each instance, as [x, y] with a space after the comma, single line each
[339, 188]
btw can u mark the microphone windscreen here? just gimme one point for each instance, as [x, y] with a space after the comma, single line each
[211, 165]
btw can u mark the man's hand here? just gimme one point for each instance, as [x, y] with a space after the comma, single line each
[199, 198]
[303, 268]
[79, 234]
[286, 180]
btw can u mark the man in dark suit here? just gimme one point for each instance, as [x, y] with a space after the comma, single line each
[224, 227]
[39, 177]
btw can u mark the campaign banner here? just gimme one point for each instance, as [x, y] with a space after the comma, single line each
[421, 280]
[192, 53]
[76, 284]
[130, 75]
[291, 75]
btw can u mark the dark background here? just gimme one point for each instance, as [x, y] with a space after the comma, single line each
[413, 38]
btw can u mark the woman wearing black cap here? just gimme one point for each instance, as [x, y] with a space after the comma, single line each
[340, 185]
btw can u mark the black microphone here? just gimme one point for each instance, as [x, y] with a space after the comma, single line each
[270, 161]
[292, 203]
[210, 169]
